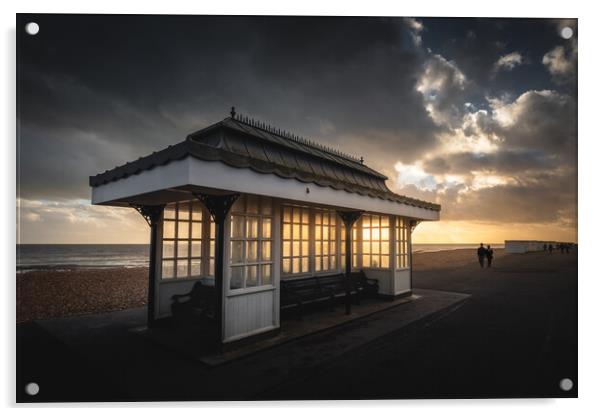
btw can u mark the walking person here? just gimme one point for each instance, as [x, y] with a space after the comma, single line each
[489, 255]
[481, 253]
[550, 248]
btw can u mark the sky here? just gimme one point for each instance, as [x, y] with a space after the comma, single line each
[478, 115]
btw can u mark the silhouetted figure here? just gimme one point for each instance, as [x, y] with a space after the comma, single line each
[550, 248]
[489, 255]
[545, 247]
[481, 253]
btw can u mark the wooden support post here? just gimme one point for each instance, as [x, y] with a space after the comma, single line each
[219, 207]
[152, 214]
[349, 218]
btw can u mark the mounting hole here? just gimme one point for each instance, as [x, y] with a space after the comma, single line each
[566, 384]
[32, 28]
[32, 389]
[566, 32]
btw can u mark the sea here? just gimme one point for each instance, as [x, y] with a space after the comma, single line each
[69, 256]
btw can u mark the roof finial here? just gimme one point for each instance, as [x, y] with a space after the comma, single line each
[362, 160]
[232, 112]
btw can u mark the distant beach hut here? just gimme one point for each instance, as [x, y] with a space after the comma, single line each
[244, 208]
[526, 246]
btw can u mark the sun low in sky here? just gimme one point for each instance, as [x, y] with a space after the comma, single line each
[478, 115]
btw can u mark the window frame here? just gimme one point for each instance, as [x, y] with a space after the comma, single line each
[259, 262]
[402, 244]
[204, 222]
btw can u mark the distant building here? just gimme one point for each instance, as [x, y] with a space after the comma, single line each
[242, 206]
[525, 246]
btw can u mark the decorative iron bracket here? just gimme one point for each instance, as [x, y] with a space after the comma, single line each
[151, 213]
[217, 205]
[350, 217]
[413, 224]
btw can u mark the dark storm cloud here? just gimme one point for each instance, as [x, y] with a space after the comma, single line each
[139, 83]
[503, 162]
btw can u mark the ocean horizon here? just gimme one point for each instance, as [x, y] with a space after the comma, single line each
[69, 256]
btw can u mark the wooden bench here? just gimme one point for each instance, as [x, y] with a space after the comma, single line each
[194, 306]
[298, 292]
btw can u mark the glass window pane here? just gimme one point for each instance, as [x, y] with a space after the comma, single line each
[318, 264]
[184, 211]
[286, 265]
[182, 248]
[182, 268]
[195, 267]
[195, 249]
[286, 231]
[384, 234]
[167, 271]
[212, 248]
[305, 248]
[252, 227]
[375, 234]
[252, 276]
[236, 251]
[325, 263]
[384, 221]
[237, 226]
[366, 234]
[305, 264]
[366, 221]
[211, 267]
[305, 232]
[251, 251]
[318, 248]
[286, 248]
[333, 247]
[296, 215]
[197, 212]
[296, 265]
[318, 218]
[183, 229]
[236, 277]
[296, 232]
[384, 247]
[318, 232]
[212, 229]
[266, 274]
[296, 248]
[374, 219]
[366, 247]
[286, 214]
[168, 249]
[374, 248]
[384, 261]
[305, 218]
[325, 248]
[169, 212]
[169, 229]
[366, 260]
[325, 233]
[266, 250]
[197, 229]
[266, 229]
[374, 261]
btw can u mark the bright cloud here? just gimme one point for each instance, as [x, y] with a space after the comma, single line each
[509, 62]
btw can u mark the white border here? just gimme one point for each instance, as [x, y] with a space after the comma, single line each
[589, 154]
